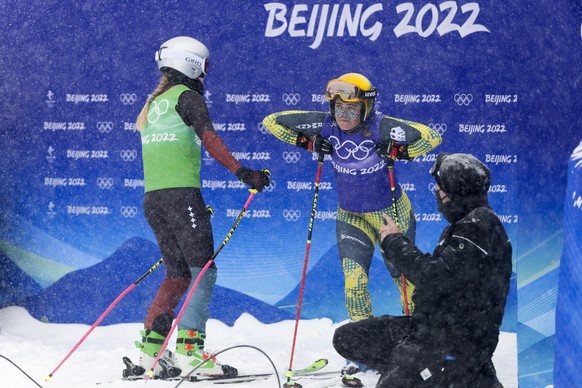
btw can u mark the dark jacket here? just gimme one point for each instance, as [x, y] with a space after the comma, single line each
[462, 287]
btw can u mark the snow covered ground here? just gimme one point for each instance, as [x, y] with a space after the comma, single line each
[39, 347]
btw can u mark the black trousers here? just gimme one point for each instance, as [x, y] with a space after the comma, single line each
[371, 341]
[385, 344]
[181, 224]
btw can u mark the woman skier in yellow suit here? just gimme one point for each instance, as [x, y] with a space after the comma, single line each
[363, 143]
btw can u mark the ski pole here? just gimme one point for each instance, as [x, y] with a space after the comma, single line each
[391, 159]
[150, 373]
[289, 373]
[111, 306]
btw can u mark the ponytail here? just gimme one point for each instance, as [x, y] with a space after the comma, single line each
[142, 118]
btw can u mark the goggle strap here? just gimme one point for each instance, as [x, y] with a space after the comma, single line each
[370, 93]
[359, 93]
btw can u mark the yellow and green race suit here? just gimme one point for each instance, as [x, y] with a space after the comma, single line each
[364, 190]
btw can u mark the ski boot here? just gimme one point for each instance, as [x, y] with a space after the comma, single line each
[168, 364]
[136, 372]
[149, 348]
[190, 355]
[131, 370]
[348, 372]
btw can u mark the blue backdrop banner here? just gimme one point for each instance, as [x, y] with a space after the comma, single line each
[500, 80]
[568, 345]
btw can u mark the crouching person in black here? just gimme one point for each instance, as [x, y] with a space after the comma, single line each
[460, 293]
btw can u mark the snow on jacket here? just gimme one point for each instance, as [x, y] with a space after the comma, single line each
[461, 289]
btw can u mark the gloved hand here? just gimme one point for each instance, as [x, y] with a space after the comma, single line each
[392, 150]
[315, 143]
[321, 145]
[257, 179]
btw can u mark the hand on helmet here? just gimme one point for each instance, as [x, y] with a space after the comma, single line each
[257, 179]
[315, 143]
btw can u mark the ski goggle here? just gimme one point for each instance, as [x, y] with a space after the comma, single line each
[346, 91]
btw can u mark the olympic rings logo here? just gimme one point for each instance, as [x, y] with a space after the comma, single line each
[463, 99]
[291, 215]
[105, 183]
[104, 126]
[432, 187]
[291, 157]
[270, 188]
[440, 128]
[128, 98]
[128, 155]
[349, 149]
[262, 128]
[291, 98]
[157, 110]
[128, 211]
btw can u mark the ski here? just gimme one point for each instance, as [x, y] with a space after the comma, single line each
[196, 379]
[214, 379]
[335, 376]
[314, 367]
[311, 372]
[317, 375]
[169, 372]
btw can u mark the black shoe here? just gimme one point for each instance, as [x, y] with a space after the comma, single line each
[350, 369]
[351, 381]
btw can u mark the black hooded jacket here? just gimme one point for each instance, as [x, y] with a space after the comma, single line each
[461, 289]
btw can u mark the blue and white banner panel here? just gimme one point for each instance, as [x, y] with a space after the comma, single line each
[498, 80]
[568, 344]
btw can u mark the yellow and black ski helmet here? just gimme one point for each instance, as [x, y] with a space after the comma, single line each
[352, 87]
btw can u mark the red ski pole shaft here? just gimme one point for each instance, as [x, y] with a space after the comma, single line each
[98, 321]
[393, 153]
[304, 274]
[150, 373]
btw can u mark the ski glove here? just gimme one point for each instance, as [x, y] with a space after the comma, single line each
[321, 145]
[392, 150]
[257, 179]
[315, 143]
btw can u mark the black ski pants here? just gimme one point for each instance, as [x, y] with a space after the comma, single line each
[181, 224]
[385, 344]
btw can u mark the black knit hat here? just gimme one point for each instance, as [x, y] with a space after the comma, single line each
[460, 175]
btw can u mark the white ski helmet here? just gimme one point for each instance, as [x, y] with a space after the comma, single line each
[184, 54]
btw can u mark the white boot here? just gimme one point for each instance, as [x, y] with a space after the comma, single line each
[190, 354]
[149, 347]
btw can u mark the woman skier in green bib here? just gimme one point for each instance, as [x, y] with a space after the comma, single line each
[174, 123]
